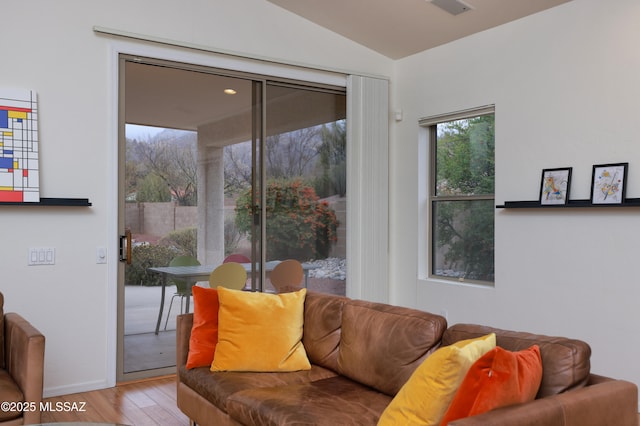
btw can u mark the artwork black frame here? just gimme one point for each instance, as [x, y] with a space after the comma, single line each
[609, 183]
[555, 185]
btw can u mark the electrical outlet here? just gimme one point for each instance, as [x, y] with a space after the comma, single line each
[42, 256]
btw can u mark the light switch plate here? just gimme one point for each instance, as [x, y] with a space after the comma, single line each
[41, 256]
[101, 255]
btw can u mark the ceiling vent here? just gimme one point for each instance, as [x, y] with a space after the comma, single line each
[454, 7]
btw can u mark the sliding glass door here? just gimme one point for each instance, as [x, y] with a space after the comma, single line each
[216, 165]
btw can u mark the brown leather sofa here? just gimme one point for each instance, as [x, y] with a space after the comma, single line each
[361, 355]
[21, 369]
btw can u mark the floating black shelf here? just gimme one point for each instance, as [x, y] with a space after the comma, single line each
[68, 202]
[629, 202]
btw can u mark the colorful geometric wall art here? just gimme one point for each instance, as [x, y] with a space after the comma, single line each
[19, 146]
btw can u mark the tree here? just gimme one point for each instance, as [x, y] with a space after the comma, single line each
[333, 159]
[133, 173]
[153, 189]
[292, 154]
[237, 167]
[298, 225]
[175, 163]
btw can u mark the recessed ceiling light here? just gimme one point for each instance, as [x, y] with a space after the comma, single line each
[230, 91]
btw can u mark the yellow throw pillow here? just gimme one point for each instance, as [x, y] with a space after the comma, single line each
[424, 399]
[260, 332]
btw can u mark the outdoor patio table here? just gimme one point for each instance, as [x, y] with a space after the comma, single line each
[193, 274]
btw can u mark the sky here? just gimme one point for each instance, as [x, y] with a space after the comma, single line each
[134, 131]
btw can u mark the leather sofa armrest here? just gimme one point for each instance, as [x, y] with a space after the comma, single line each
[608, 402]
[184, 323]
[24, 352]
[594, 379]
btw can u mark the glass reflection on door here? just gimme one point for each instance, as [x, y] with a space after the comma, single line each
[305, 195]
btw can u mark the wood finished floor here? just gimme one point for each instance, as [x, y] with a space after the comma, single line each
[143, 403]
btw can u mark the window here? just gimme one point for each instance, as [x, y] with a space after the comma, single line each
[461, 196]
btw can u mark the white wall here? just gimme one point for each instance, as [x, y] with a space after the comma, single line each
[51, 47]
[566, 89]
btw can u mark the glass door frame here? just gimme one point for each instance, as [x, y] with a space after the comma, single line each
[258, 177]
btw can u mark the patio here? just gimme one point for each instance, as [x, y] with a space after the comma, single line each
[144, 350]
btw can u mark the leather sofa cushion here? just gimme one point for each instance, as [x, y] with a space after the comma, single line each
[333, 401]
[216, 387]
[382, 345]
[565, 362]
[9, 392]
[321, 332]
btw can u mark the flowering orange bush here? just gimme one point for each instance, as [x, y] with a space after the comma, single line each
[299, 225]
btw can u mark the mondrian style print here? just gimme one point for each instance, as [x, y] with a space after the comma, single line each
[19, 172]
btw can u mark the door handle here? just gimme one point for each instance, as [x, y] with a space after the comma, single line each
[125, 247]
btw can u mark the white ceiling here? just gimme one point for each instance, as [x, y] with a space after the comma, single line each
[399, 28]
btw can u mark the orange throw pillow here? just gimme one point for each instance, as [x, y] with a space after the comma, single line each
[499, 378]
[204, 333]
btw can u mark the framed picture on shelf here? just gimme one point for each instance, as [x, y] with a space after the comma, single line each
[608, 183]
[554, 186]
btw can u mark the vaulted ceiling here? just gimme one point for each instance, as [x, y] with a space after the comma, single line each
[175, 98]
[399, 28]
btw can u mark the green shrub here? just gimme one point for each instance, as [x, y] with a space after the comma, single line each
[184, 241]
[299, 225]
[147, 256]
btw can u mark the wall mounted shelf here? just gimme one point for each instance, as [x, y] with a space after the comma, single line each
[629, 202]
[68, 202]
